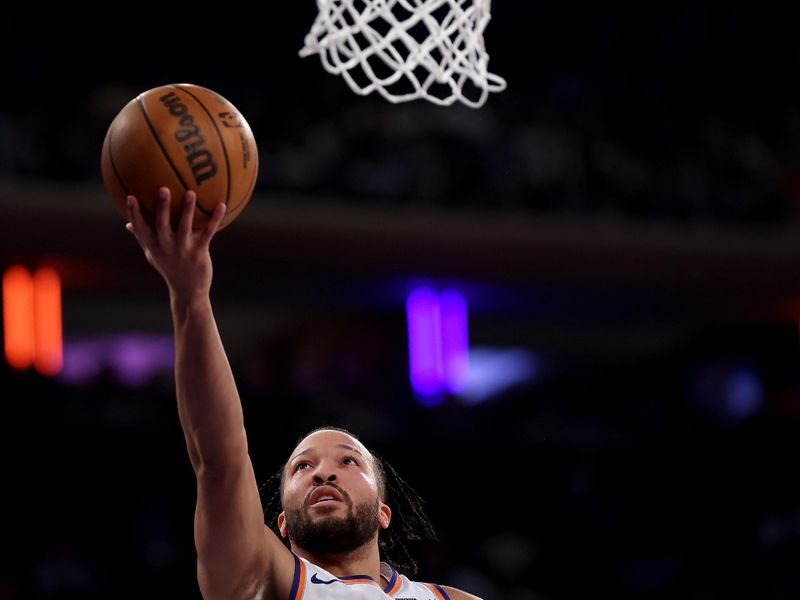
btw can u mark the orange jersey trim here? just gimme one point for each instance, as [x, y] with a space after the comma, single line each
[395, 587]
[299, 585]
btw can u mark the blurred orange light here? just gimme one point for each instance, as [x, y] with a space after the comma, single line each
[49, 353]
[18, 326]
[32, 319]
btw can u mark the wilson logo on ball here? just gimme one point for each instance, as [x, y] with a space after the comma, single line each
[200, 159]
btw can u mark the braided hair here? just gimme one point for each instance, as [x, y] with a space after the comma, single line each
[409, 523]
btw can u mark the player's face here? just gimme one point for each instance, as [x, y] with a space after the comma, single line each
[331, 490]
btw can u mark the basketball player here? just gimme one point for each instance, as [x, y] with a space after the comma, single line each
[335, 499]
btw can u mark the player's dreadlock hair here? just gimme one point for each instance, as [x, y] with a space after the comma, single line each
[409, 522]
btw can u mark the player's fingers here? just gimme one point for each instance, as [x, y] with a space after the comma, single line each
[137, 225]
[213, 223]
[187, 214]
[163, 227]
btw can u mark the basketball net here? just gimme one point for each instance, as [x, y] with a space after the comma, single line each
[407, 49]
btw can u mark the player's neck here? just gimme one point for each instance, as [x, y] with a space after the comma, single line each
[362, 561]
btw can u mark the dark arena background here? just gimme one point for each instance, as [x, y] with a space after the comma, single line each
[618, 231]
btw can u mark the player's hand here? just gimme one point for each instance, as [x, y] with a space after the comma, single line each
[180, 254]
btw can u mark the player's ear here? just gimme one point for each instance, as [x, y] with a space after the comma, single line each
[282, 524]
[384, 515]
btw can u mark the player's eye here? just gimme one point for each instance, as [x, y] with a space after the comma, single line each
[301, 465]
[350, 460]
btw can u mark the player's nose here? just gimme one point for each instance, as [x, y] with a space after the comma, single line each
[324, 471]
[320, 477]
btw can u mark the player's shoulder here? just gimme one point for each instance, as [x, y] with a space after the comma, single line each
[456, 594]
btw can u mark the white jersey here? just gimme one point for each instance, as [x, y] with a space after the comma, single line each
[315, 583]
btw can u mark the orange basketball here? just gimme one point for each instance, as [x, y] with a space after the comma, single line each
[184, 137]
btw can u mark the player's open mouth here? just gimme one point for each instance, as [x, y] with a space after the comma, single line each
[325, 494]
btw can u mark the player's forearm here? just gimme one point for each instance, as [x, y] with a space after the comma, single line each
[208, 403]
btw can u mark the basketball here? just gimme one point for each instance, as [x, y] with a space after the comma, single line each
[184, 137]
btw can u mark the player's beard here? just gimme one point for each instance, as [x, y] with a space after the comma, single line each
[333, 535]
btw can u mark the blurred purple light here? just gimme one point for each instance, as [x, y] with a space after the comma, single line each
[744, 393]
[423, 312]
[494, 370]
[80, 361]
[137, 358]
[438, 343]
[133, 358]
[455, 341]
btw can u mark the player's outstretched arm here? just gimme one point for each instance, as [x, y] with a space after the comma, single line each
[238, 557]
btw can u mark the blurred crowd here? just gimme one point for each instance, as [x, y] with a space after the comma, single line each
[680, 112]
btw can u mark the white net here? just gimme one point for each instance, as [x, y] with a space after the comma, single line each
[407, 49]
